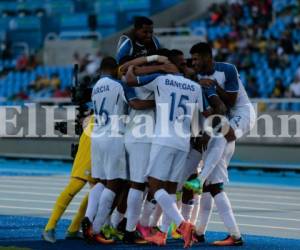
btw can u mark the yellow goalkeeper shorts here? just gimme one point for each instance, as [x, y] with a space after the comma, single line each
[82, 163]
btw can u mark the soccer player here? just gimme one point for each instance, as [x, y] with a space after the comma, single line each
[108, 150]
[139, 41]
[224, 78]
[80, 175]
[172, 94]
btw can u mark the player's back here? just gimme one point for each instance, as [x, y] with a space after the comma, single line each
[109, 104]
[176, 98]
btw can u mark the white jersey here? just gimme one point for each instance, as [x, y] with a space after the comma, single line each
[228, 78]
[134, 131]
[176, 98]
[109, 103]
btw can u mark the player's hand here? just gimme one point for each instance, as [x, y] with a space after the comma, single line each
[194, 185]
[206, 83]
[169, 68]
[200, 143]
[162, 59]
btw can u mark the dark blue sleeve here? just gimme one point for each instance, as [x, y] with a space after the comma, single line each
[156, 42]
[205, 101]
[143, 80]
[231, 79]
[129, 93]
[211, 91]
[124, 49]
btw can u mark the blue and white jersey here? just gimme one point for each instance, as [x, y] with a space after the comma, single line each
[127, 48]
[176, 98]
[134, 131]
[109, 103]
[228, 78]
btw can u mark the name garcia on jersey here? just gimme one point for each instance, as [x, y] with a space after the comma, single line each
[180, 85]
[100, 89]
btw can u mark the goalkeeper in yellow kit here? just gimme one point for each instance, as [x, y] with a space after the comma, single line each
[80, 175]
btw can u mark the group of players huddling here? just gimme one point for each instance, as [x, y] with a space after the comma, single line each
[146, 142]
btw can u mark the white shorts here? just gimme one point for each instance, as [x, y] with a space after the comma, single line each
[138, 157]
[166, 163]
[220, 172]
[242, 120]
[108, 158]
[191, 164]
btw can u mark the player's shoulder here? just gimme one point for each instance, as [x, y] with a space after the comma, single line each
[225, 67]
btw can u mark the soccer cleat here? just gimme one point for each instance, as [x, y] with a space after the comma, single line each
[159, 238]
[49, 236]
[144, 231]
[133, 238]
[194, 185]
[229, 241]
[186, 229]
[173, 232]
[100, 238]
[74, 235]
[110, 232]
[87, 229]
[199, 238]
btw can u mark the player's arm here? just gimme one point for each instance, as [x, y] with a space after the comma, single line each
[162, 68]
[143, 60]
[134, 102]
[135, 81]
[217, 105]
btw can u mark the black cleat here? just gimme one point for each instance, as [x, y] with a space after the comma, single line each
[87, 229]
[133, 238]
[122, 225]
[199, 238]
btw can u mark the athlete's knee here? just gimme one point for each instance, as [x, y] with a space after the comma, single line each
[215, 189]
[74, 186]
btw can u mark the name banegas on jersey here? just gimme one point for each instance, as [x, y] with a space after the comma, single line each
[179, 85]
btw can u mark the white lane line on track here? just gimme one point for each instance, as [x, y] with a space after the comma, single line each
[60, 189]
[262, 217]
[285, 196]
[264, 209]
[261, 226]
[35, 193]
[35, 201]
[25, 182]
[266, 202]
[35, 209]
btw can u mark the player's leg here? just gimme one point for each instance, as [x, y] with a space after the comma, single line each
[73, 230]
[205, 210]
[105, 204]
[62, 202]
[222, 202]
[173, 162]
[138, 162]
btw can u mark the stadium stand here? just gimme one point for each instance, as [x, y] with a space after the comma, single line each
[262, 39]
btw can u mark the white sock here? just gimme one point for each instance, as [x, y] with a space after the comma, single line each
[195, 208]
[116, 218]
[105, 203]
[169, 206]
[166, 220]
[179, 204]
[206, 206]
[134, 207]
[215, 150]
[94, 196]
[149, 207]
[225, 211]
[156, 215]
[186, 211]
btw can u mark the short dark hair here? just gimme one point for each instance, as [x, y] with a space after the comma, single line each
[176, 52]
[139, 21]
[201, 48]
[108, 63]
